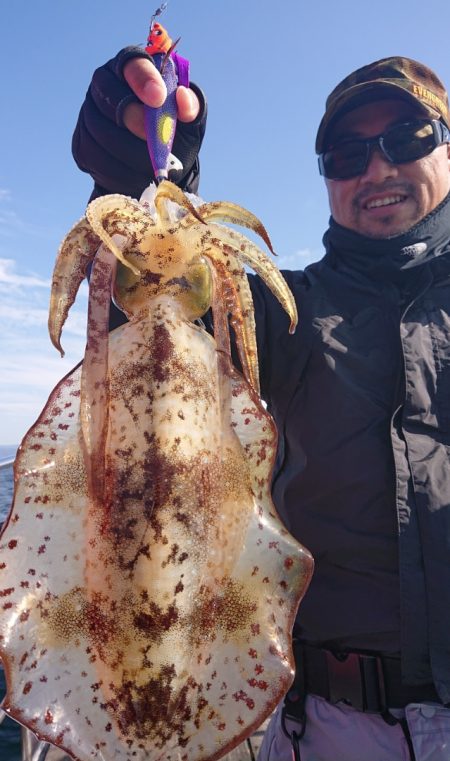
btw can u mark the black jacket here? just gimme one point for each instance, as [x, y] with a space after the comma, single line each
[361, 398]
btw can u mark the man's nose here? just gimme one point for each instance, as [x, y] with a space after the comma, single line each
[378, 166]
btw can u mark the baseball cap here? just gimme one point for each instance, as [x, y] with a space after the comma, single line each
[395, 77]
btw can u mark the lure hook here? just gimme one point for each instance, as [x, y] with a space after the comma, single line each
[157, 13]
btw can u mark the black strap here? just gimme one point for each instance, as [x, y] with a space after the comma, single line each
[367, 681]
[295, 741]
[294, 710]
[404, 725]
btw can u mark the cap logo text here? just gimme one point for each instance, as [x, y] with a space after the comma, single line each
[424, 94]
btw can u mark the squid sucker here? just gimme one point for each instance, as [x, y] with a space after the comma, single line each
[147, 585]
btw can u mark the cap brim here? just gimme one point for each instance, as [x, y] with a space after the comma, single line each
[366, 92]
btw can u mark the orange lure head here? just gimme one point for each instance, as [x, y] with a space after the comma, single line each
[158, 40]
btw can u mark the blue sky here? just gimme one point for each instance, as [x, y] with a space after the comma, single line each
[266, 69]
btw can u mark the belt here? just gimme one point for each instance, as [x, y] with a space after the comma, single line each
[369, 682]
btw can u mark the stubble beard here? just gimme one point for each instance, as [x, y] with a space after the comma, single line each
[389, 225]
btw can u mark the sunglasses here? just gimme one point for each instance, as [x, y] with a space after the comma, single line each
[399, 145]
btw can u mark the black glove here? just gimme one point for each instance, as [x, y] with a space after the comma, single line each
[117, 160]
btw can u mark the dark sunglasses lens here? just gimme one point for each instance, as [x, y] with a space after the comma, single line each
[346, 160]
[409, 142]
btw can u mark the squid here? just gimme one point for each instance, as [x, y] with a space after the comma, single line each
[147, 585]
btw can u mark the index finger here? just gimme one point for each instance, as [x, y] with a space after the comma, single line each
[145, 81]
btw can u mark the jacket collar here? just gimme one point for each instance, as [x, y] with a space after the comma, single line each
[392, 257]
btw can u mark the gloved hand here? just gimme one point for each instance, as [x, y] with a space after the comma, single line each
[148, 85]
[109, 139]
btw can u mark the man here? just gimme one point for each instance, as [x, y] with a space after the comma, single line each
[361, 398]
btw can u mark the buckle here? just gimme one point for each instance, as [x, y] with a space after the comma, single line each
[344, 679]
[357, 680]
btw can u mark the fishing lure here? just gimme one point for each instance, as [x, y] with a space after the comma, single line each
[160, 123]
[158, 40]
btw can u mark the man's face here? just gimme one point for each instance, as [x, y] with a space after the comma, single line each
[406, 192]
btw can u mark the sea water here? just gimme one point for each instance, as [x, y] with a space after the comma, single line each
[9, 730]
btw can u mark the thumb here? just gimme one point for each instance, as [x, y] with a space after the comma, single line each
[145, 81]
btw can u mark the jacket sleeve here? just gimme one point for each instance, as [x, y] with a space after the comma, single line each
[117, 160]
[280, 354]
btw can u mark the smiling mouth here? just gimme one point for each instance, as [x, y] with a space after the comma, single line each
[387, 201]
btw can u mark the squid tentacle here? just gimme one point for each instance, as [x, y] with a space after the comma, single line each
[242, 318]
[74, 256]
[167, 191]
[233, 242]
[223, 303]
[237, 215]
[95, 395]
[118, 214]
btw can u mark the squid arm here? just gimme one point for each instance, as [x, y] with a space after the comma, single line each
[233, 242]
[74, 256]
[94, 400]
[237, 297]
[231, 212]
[118, 214]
